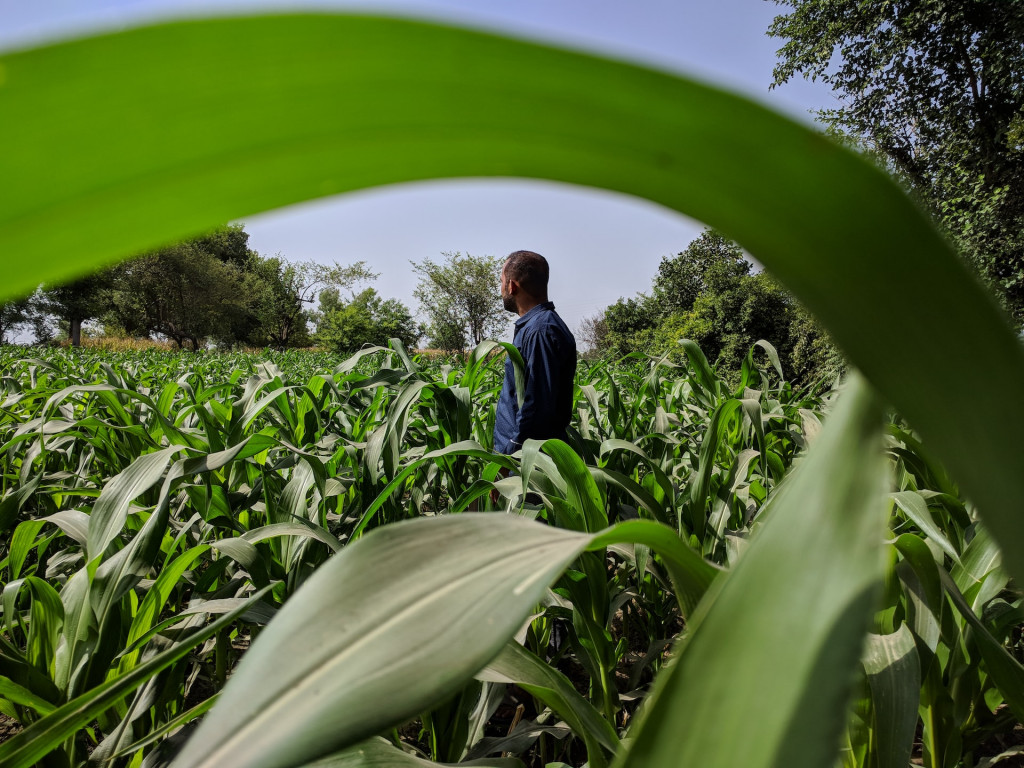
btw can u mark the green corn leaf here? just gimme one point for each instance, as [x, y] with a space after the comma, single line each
[464, 448]
[920, 574]
[156, 598]
[43, 594]
[701, 370]
[10, 506]
[171, 725]
[691, 575]
[772, 655]
[894, 677]
[1006, 672]
[700, 487]
[980, 558]
[478, 359]
[303, 529]
[640, 495]
[25, 748]
[20, 695]
[393, 623]
[581, 490]
[378, 753]
[22, 542]
[246, 555]
[752, 410]
[111, 508]
[73, 522]
[915, 507]
[518, 666]
[748, 370]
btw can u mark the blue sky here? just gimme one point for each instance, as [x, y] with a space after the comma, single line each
[601, 246]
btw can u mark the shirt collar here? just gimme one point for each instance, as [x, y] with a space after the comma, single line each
[545, 306]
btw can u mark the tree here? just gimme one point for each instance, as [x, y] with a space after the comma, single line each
[626, 321]
[230, 244]
[814, 355]
[593, 333]
[215, 287]
[279, 292]
[707, 293]
[183, 292]
[461, 299]
[14, 315]
[936, 90]
[84, 299]
[725, 320]
[711, 263]
[346, 326]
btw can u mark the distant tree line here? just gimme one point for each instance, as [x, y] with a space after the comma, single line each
[215, 290]
[710, 294]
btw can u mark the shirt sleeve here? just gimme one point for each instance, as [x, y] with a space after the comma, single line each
[538, 416]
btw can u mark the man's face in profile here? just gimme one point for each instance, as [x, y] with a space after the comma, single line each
[507, 299]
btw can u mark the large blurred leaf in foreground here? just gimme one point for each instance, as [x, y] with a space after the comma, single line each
[395, 622]
[389, 626]
[773, 652]
[117, 143]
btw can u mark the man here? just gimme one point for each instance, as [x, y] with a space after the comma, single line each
[549, 353]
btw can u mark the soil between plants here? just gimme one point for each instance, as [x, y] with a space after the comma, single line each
[8, 728]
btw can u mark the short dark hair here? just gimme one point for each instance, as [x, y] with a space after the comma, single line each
[530, 270]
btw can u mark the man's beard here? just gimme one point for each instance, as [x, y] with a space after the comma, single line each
[509, 302]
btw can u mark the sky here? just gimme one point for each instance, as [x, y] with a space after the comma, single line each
[601, 246]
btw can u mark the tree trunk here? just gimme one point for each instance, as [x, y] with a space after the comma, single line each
[76, 332]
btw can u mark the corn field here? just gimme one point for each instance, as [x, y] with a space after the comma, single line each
[161, 509]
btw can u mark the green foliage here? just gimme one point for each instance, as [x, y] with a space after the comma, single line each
[84, 299]
[183, 292]
[813, 356]
[293, 456]
[365, 319]
[278, 292]
[14, 315]
[279, 459]
[277, 316]
[624, 321]
[711, 264]
[729, 317]
[213, 288]
[190, 292]
[708, 294]
[461, 299]
[229, 244]
[936, 90]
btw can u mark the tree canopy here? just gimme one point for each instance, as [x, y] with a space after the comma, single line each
[936, 90]
[461, 299]
[366, 318]
[281, 294]
[183, 292]
[709, 294]
[14, 315]
[209, 288]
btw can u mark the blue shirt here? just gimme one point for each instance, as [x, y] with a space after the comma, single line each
[549, 352]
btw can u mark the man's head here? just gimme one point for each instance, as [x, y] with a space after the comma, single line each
[524, 281]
